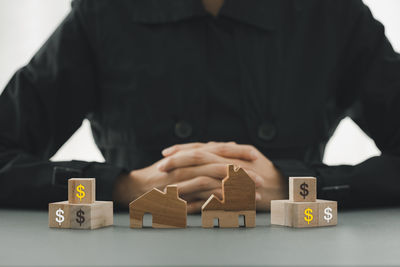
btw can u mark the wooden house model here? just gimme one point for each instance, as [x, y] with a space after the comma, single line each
[238, 199]
[166, 208]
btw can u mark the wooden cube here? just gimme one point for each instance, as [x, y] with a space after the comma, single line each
[280, 214]
[91, 216]
[302, 189]
[327, 212]
[304, 214]
[294, 214]
[59, 215]
[81, 190]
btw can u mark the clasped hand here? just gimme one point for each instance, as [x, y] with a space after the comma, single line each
[198, 169]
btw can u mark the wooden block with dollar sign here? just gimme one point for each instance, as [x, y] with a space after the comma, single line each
[91, 216]
[81, 190]
[304, 214]
[302, 209]
[294, 214]
[327, 212]
[59, 215]
[302, 189]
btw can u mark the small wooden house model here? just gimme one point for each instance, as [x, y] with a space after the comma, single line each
[238, 199]
[166, 208]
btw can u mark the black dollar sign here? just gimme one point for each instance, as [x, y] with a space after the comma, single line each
[81, 219]
[304, 187]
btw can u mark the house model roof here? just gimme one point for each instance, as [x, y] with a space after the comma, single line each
[238, 192]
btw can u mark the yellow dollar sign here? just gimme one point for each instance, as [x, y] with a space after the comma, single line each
[81, 194]
[309, 217]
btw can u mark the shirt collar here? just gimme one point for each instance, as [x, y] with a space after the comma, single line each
[259, 13]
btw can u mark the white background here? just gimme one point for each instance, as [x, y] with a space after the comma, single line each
[26, 24]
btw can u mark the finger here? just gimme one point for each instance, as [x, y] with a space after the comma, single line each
[234, 151]
[175, 148]
[213, 170]
[198, 184]
[187, 158]
[195, 206]
[258, 196]
[258, 180]
[203, 195]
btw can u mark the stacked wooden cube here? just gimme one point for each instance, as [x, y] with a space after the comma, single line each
[303, 209]
[81, 211]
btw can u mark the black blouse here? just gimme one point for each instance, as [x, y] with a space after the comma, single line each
[152, 73]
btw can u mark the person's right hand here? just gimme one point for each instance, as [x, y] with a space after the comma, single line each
[205, 180]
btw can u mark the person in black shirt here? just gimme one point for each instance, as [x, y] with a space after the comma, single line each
[261, 84]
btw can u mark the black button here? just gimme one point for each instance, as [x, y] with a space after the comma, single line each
[266, 131]
[183, 129]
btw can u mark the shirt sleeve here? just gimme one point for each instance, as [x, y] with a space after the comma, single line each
[41, 107]
[369, 91]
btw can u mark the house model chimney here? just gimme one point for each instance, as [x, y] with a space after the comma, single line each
[172, 190]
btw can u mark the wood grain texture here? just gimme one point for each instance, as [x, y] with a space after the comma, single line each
[324, 217]
[96, 215]
[168, 210]
[238, 192]
[292, 214]
[65, 208]
[281, 213]
[228, 219]
[299, 215]
[89, 185]
[295, 191]
[238, 198]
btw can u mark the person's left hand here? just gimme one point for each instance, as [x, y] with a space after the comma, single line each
[271, 184]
